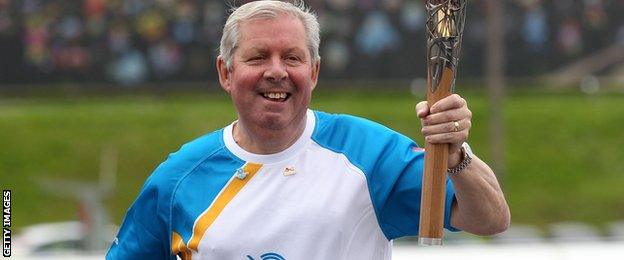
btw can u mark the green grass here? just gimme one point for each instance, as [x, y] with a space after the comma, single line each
[565, 159]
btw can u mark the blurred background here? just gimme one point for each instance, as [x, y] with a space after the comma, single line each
[95, 93]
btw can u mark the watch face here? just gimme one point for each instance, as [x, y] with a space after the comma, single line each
[467, 148]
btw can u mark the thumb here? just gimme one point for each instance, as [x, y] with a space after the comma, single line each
[422, 109]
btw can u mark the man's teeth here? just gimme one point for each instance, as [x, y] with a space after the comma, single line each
[275, 95]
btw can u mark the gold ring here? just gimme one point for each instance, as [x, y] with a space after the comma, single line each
[456, 124]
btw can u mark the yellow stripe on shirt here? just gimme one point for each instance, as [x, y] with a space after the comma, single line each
[228, 193]
[179, 248]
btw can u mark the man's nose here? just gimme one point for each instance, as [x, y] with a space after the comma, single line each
[276, 71]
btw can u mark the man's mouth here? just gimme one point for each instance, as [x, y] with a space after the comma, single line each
[276, 96]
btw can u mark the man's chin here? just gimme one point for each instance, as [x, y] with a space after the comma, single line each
[278, 121]
[274, 123]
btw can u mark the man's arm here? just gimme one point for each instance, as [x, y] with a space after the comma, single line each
[480, 207]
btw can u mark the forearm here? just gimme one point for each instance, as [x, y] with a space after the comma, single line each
[481, 207]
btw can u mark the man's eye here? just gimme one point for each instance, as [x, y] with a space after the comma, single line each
[293, 58]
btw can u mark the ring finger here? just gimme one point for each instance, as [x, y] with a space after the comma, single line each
[447, 127]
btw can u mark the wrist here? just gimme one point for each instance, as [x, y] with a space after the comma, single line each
[455, 159]
[466, 159]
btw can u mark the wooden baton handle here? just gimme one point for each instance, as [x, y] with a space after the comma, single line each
[433, 195]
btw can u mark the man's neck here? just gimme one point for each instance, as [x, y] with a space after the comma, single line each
[263, 141]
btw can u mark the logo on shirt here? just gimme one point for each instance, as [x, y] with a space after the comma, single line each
[268, 256]
[240, 174]
[289, 171]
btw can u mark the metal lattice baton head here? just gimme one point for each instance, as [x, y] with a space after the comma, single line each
[445, 27]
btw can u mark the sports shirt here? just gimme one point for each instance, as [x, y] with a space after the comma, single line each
[344, 190]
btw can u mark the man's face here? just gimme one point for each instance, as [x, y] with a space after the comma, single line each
[272, 75]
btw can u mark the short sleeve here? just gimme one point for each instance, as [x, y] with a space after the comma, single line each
[393, 165]
[143, 233]
[398, 202]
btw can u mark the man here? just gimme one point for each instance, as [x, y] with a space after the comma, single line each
[286, 182]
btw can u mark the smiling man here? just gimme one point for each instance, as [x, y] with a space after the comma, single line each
[287, 182]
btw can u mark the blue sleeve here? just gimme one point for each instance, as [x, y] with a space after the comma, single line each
[397, 186]
[143, 233]
[393, 165]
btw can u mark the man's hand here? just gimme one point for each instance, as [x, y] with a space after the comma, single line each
[480, 207]
[439, 124]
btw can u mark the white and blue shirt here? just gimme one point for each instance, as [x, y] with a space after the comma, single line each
[344, 190]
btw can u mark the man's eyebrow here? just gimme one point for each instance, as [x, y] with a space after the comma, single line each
[264, 50]
[296, 50]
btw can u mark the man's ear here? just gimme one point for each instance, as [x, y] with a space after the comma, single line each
[224, 74]
[315, 73]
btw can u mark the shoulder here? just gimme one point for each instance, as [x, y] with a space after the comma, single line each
[333, 129]
[184, 161]
[364, 142]
[151, 212]
[336, 124]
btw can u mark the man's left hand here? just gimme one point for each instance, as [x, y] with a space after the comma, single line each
[447, 121]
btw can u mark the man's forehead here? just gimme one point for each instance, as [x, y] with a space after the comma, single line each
[289, 32]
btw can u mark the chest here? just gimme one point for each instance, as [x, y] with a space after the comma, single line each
[291, 206]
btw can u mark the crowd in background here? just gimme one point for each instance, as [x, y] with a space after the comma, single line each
[135, 41]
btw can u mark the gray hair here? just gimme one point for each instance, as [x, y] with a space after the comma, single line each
[268, 9]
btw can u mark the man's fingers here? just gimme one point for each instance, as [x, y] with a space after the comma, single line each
[422, 109]
[447, 116]
[453, 101]
[447, 127]
[448, 121]
[446, 138]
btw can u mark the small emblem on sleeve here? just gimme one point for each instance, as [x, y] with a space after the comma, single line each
[418, 149]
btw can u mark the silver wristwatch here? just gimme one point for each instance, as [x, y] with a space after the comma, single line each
[467, 159]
